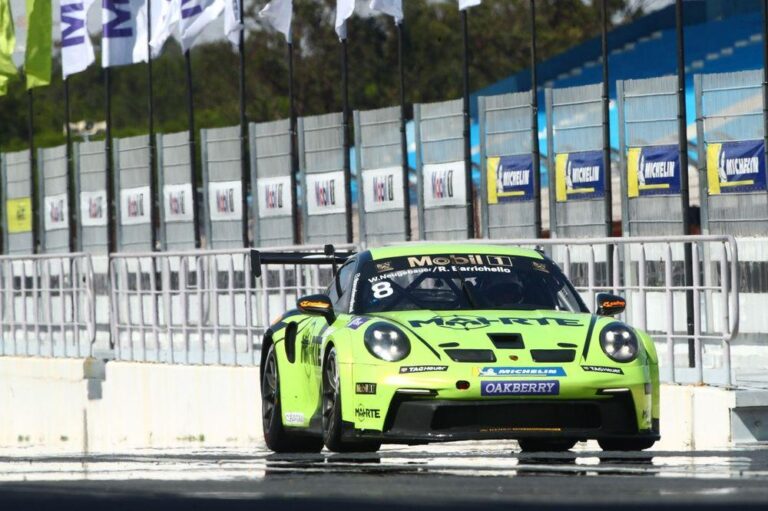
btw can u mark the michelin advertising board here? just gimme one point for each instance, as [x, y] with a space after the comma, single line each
[734, 167]
[510, 178]
[579, 176]
[653, 170]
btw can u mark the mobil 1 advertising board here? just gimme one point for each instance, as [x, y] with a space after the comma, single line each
[444, 200]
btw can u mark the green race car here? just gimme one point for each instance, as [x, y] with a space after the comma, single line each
[428, 343]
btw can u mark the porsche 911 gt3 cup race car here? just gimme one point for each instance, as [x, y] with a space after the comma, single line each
[437, 342]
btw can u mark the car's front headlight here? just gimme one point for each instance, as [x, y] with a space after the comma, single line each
[619, 342]
[387, 342]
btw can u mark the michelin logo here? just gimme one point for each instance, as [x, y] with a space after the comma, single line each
[520, 388]
[522, 371]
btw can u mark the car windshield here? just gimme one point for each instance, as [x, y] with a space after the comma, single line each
[463, 282]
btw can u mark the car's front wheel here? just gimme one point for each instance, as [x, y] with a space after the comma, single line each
[545, 445]
[625, 444]
[332, 411]
[275, 435]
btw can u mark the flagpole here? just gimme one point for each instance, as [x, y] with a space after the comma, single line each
[154, 192]
[111, 206]
[244, 160]
[346, 141]
[535, 149]
[467, 141]
[192, 152]
[403, 134]
[32, 169]
[294, 149]
[682, 132]
[74, 235]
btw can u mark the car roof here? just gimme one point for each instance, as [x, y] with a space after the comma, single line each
[416, 249]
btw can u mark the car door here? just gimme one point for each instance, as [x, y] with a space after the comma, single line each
[314, 336]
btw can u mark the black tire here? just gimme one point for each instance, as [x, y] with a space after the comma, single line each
[332, 411]
[625, 444]
[275, 435]
[545, 445]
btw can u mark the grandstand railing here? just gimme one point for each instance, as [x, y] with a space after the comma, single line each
[47, 306]
[649, 271]
[206, 307]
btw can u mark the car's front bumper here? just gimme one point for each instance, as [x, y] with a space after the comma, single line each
[420, 420]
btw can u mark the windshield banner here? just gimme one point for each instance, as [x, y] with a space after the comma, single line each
[510, 178]
[579, 176]
[653, 171]
[736, 167]
[444, 185]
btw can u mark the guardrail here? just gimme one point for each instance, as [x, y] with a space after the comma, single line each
[650, 272]
[47, 305]
[204, 307]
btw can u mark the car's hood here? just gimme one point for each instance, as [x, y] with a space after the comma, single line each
[542, 329]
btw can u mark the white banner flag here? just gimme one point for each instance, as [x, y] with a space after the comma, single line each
[124, 39]
[274, 196]
[232, 22]
[225, 200]
[195, 16]
[76, 47]
[383, 189]
[134, 206]
[165, 17]
[344, 10]
[177, 202]
[56, 212]
[325, 193]
[279, 14]
[392, 7]
[93, 208]
[466, 4]
[444, 185]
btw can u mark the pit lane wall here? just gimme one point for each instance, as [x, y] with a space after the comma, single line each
[88, 406]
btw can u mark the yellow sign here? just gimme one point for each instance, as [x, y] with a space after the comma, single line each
[19, 215]
[493, 197]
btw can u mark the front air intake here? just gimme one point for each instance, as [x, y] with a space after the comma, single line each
[507, 341]
[553, 355]
[471, 355]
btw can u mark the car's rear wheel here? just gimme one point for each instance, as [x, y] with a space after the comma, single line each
[625, 444]
[332, 411]
[545, 445]
[275, 435]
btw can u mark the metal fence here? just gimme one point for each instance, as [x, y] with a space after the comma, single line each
[91, 189]
[649, 272]
[222, 187]
[47, 305]
[321, 154]
[507, 166]
[381, 186]
[53, 199]
[650, 157]
[577, 173]
[274, 211]
[178, 199]
[202, 307]
[16, 193]
[729, 112]
[440, 170]
[133, 194]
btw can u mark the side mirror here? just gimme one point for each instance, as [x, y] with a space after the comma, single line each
[317, 305]
[610, 305]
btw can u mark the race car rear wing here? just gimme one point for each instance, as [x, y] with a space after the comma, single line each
[329, 256]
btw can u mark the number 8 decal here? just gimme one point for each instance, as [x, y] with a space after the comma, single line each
[382, 290]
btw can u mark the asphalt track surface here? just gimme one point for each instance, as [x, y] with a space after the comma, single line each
[468, 475]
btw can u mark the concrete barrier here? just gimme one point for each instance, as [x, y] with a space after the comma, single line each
[87, 406]
[76, 405]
